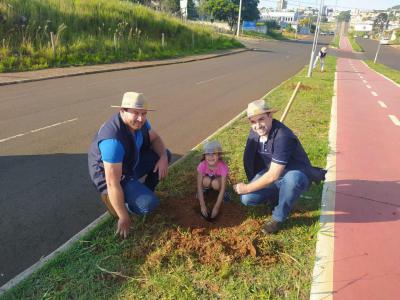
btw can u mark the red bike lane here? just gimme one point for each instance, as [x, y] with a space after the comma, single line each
[367, 206]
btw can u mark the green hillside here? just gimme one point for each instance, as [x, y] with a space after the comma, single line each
[36, 34]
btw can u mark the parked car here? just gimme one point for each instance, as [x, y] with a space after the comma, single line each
[384, 41]
[323, 33]
[331, 33]
[366, 36]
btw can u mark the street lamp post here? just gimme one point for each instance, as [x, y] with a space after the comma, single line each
[240, 14]
[314, 47]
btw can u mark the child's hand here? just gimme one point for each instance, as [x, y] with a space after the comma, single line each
[204, 211]
[215, 212]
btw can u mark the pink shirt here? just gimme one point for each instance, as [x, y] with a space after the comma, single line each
[220, 170]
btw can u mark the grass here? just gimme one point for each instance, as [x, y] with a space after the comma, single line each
[385, 70]
[39, 34]
[335, 41]
[164, 260]
[270, 35]
[356, 47]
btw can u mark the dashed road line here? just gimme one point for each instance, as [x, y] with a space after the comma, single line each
[374, 94]
[365, 81]
[382, 104]
[394, 120]
[368, 86]
[36, 130]
[208, 80]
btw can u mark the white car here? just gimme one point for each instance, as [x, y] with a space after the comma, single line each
[384, 41]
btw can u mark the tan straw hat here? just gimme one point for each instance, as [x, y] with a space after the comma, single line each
[323, 49]
[133, 100]
[258, 107]
[212, 147]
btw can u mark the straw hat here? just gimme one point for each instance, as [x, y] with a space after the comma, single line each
[258, 107]
[323, 49]
[133, 100]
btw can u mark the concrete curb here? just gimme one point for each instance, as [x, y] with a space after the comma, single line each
[86, 70]
[23, 275]
[322, 283]
[380, 74]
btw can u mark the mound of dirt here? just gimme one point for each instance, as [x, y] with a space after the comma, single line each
[231, 237]
[186, 213]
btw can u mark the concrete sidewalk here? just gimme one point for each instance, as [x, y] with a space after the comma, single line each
[361, 255]
[21, 77]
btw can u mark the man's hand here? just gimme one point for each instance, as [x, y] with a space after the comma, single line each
[241, 188]
[162, 166]
[123, 227]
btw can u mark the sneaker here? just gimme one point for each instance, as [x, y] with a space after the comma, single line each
[227, 197]
[271, 227]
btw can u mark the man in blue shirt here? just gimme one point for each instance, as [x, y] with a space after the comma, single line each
[125, 149]
[276, 165]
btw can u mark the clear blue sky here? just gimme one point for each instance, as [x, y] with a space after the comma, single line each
[342, 4]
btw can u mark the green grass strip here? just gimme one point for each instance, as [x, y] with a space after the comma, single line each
[356, 47]
[385, 70]
[335, 41]
[152, 265]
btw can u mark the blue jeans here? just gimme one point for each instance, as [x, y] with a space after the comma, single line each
[282, 193]
[139, 197]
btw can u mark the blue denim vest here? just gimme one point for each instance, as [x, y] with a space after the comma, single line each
[114, 128]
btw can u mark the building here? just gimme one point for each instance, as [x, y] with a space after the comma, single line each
[281, 5]
[283, 18]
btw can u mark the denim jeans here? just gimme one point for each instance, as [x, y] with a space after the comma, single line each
[282, 194]
[139, 197]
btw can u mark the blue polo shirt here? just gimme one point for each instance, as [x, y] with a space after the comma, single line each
[283, 148]
[112, 151]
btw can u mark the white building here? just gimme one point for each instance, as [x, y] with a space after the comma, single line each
[283, 18]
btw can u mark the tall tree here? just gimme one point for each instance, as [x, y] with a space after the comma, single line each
[227, 10]
[380, 22]
[344, 16]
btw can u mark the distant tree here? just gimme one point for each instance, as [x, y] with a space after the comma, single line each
[380, 22]
[192, 10]
[227, 10]
[305, 22]
[171, 6]
[344, 16]
[272, 24]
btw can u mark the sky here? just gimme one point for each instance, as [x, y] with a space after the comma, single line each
[342, 4]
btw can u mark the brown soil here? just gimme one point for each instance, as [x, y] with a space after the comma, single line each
[186, 213]
[302, 87]
[231, 237]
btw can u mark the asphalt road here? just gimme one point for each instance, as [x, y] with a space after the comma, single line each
[388, 55]
[46, 128]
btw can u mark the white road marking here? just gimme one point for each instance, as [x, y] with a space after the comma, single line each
[374, 94]
[368, 86]
[365, 81]
[36, 130]
[361, 77]
[382, 104]
[394, 120]
[208, 80]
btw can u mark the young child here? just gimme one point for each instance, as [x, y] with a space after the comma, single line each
[212, 174]
[321, 56]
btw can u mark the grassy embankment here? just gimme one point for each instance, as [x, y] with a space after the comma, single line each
[93, 32]
[385, 70]
[356, 47]
[165, 258]
[270, 35]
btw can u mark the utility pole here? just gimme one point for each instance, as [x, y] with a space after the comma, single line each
[316, 33]
[379, 45]
[240, 14]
